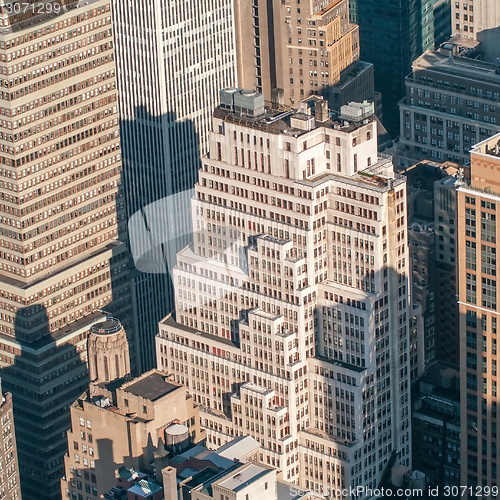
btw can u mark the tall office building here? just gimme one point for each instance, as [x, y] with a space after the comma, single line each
[292, 304]
[62, 217]
[392, 35]
[10, 487]
[477, 205]
[451, 103]
[303, 49]
[172, 59]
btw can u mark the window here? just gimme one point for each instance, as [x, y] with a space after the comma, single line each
[488, 227]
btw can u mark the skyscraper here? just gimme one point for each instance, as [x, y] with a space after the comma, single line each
[292, 304]
[303, 49]
[392, 35]
[477, 205]
[172, 58]
[62, 217]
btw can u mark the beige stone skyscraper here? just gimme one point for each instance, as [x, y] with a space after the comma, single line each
[477, 205]
[301, 48]
[292, 304]
[61, 216]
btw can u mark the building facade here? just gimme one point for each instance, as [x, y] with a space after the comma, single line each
[292, 304]
[446, 261]
[10, 487]
[477, 205]
[436, 426]
[172, 58]
[421, 236]
[479, 21]
[62, 218]
[451, 103]
[392, 35]
[302, 49]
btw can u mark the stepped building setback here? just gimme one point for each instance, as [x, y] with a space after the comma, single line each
[292, 303]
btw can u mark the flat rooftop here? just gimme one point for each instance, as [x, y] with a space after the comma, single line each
[238, 447]
[279, 122]
[152, 386]
[460, 67]
[170, 321]
[243, 477]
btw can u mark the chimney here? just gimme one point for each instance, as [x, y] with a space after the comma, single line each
[169, 483]
[321, 111]
[278, 97]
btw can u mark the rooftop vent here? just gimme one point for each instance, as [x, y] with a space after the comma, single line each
[356, 111]
[302, 121]
[243, 102]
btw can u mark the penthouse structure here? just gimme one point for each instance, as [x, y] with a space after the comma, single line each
[292, 304]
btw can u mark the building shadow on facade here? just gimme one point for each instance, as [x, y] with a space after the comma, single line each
[45, 377]
[161, 158]
[391, 37]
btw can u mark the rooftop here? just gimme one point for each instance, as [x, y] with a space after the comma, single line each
[256, 388]
[490, 146]
[152, 385]
[462, 67]
[238, 447]
[35, 20]
[145, 488]
[170, 321]
[279, 122]
[379, 177]
[243, 477]
[108, 326]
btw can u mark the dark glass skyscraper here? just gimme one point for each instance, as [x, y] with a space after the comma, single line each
[393, 33]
